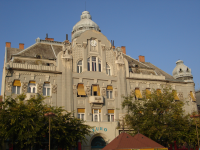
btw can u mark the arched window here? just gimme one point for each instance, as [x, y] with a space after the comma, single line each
[94, 64]
[98, 142]
[16, 87]
[32, 87]
[79, 67]
[46, 89]
[107, 69]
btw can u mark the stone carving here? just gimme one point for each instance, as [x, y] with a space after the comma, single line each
[54, 88]
[180, 95]
[88, 90]
[103, 91]
[24, 87]
[132, 92]
[116, 94]
[103, 47]
[9, 86]
[40, 88]
[74, 91]
[67, 51]
[119, 58]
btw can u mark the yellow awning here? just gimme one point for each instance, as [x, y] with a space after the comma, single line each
[81, 90]
[96, 109]
[192, 96]
[46, 82]
[94, 88]
[148, 93]
[111, 111]
[17, 83]
[138, 93]
[158, 91]
[33, 82]
[175, 95]
[109, 87]
[81, 110]
[98, 92]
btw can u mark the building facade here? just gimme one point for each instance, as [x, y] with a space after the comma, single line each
[88, 77]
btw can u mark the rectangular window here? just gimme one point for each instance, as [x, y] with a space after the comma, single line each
[46, 89]
[81, 113]
[88, 64]
[31, 87]
[109, 92]
[138, 94]
[110, 115]
[95, 90]
[16, 87]
[96, 115]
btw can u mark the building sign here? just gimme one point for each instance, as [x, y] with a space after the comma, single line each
[97, 98]
[99, 129]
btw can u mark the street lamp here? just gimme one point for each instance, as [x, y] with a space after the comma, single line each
[196, 116]
[49, 114]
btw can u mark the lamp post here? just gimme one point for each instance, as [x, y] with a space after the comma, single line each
[196, 116]
[49, 114]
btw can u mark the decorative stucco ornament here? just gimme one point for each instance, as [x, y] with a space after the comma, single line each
[54, 88]
[40, 88]
[8, 86]
[24, 87]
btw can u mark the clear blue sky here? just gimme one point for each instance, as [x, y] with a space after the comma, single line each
[161, 30]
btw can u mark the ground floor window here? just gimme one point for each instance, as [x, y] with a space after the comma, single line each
[81, 113]
[98, 142]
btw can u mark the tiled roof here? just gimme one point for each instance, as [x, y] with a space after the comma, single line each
[158, 70]
[147, 141]
[44, 50]
[125, 141]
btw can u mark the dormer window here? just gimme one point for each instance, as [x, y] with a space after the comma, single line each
[180, 70]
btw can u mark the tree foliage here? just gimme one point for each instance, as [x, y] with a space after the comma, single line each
[22, 122]
[160, 117]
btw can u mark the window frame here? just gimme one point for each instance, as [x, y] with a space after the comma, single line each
[31, 86]
[108, 69]
[94, 65]
[16, 89]
[79, 66]
[47, 87]
[94, 115]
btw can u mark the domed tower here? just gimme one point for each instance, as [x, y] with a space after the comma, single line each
[182, 72]
[84, 24]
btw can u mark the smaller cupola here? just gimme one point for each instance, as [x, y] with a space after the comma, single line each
[182, 72]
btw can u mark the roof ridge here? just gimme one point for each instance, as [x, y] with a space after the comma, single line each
[26, 49]
[136, 60]
[160, 69]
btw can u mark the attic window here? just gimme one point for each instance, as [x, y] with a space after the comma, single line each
[136, 66]
[187, 70]
[38, 56]
[180, 70]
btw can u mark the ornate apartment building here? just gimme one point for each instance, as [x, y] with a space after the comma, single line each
[88, 76]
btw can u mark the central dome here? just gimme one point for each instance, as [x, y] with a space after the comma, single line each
[84, 24]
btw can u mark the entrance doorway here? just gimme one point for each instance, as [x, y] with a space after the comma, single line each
[98, 143]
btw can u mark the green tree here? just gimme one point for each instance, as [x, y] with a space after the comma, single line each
[23, 123]
[158, 116]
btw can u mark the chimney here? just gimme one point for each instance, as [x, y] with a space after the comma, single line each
[8, 44]
[49, 39]
[66, 36]
[21, 45]
[141, 58]
[111, 42]
[123, 49]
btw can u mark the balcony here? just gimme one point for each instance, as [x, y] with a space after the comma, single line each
[96, 100]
